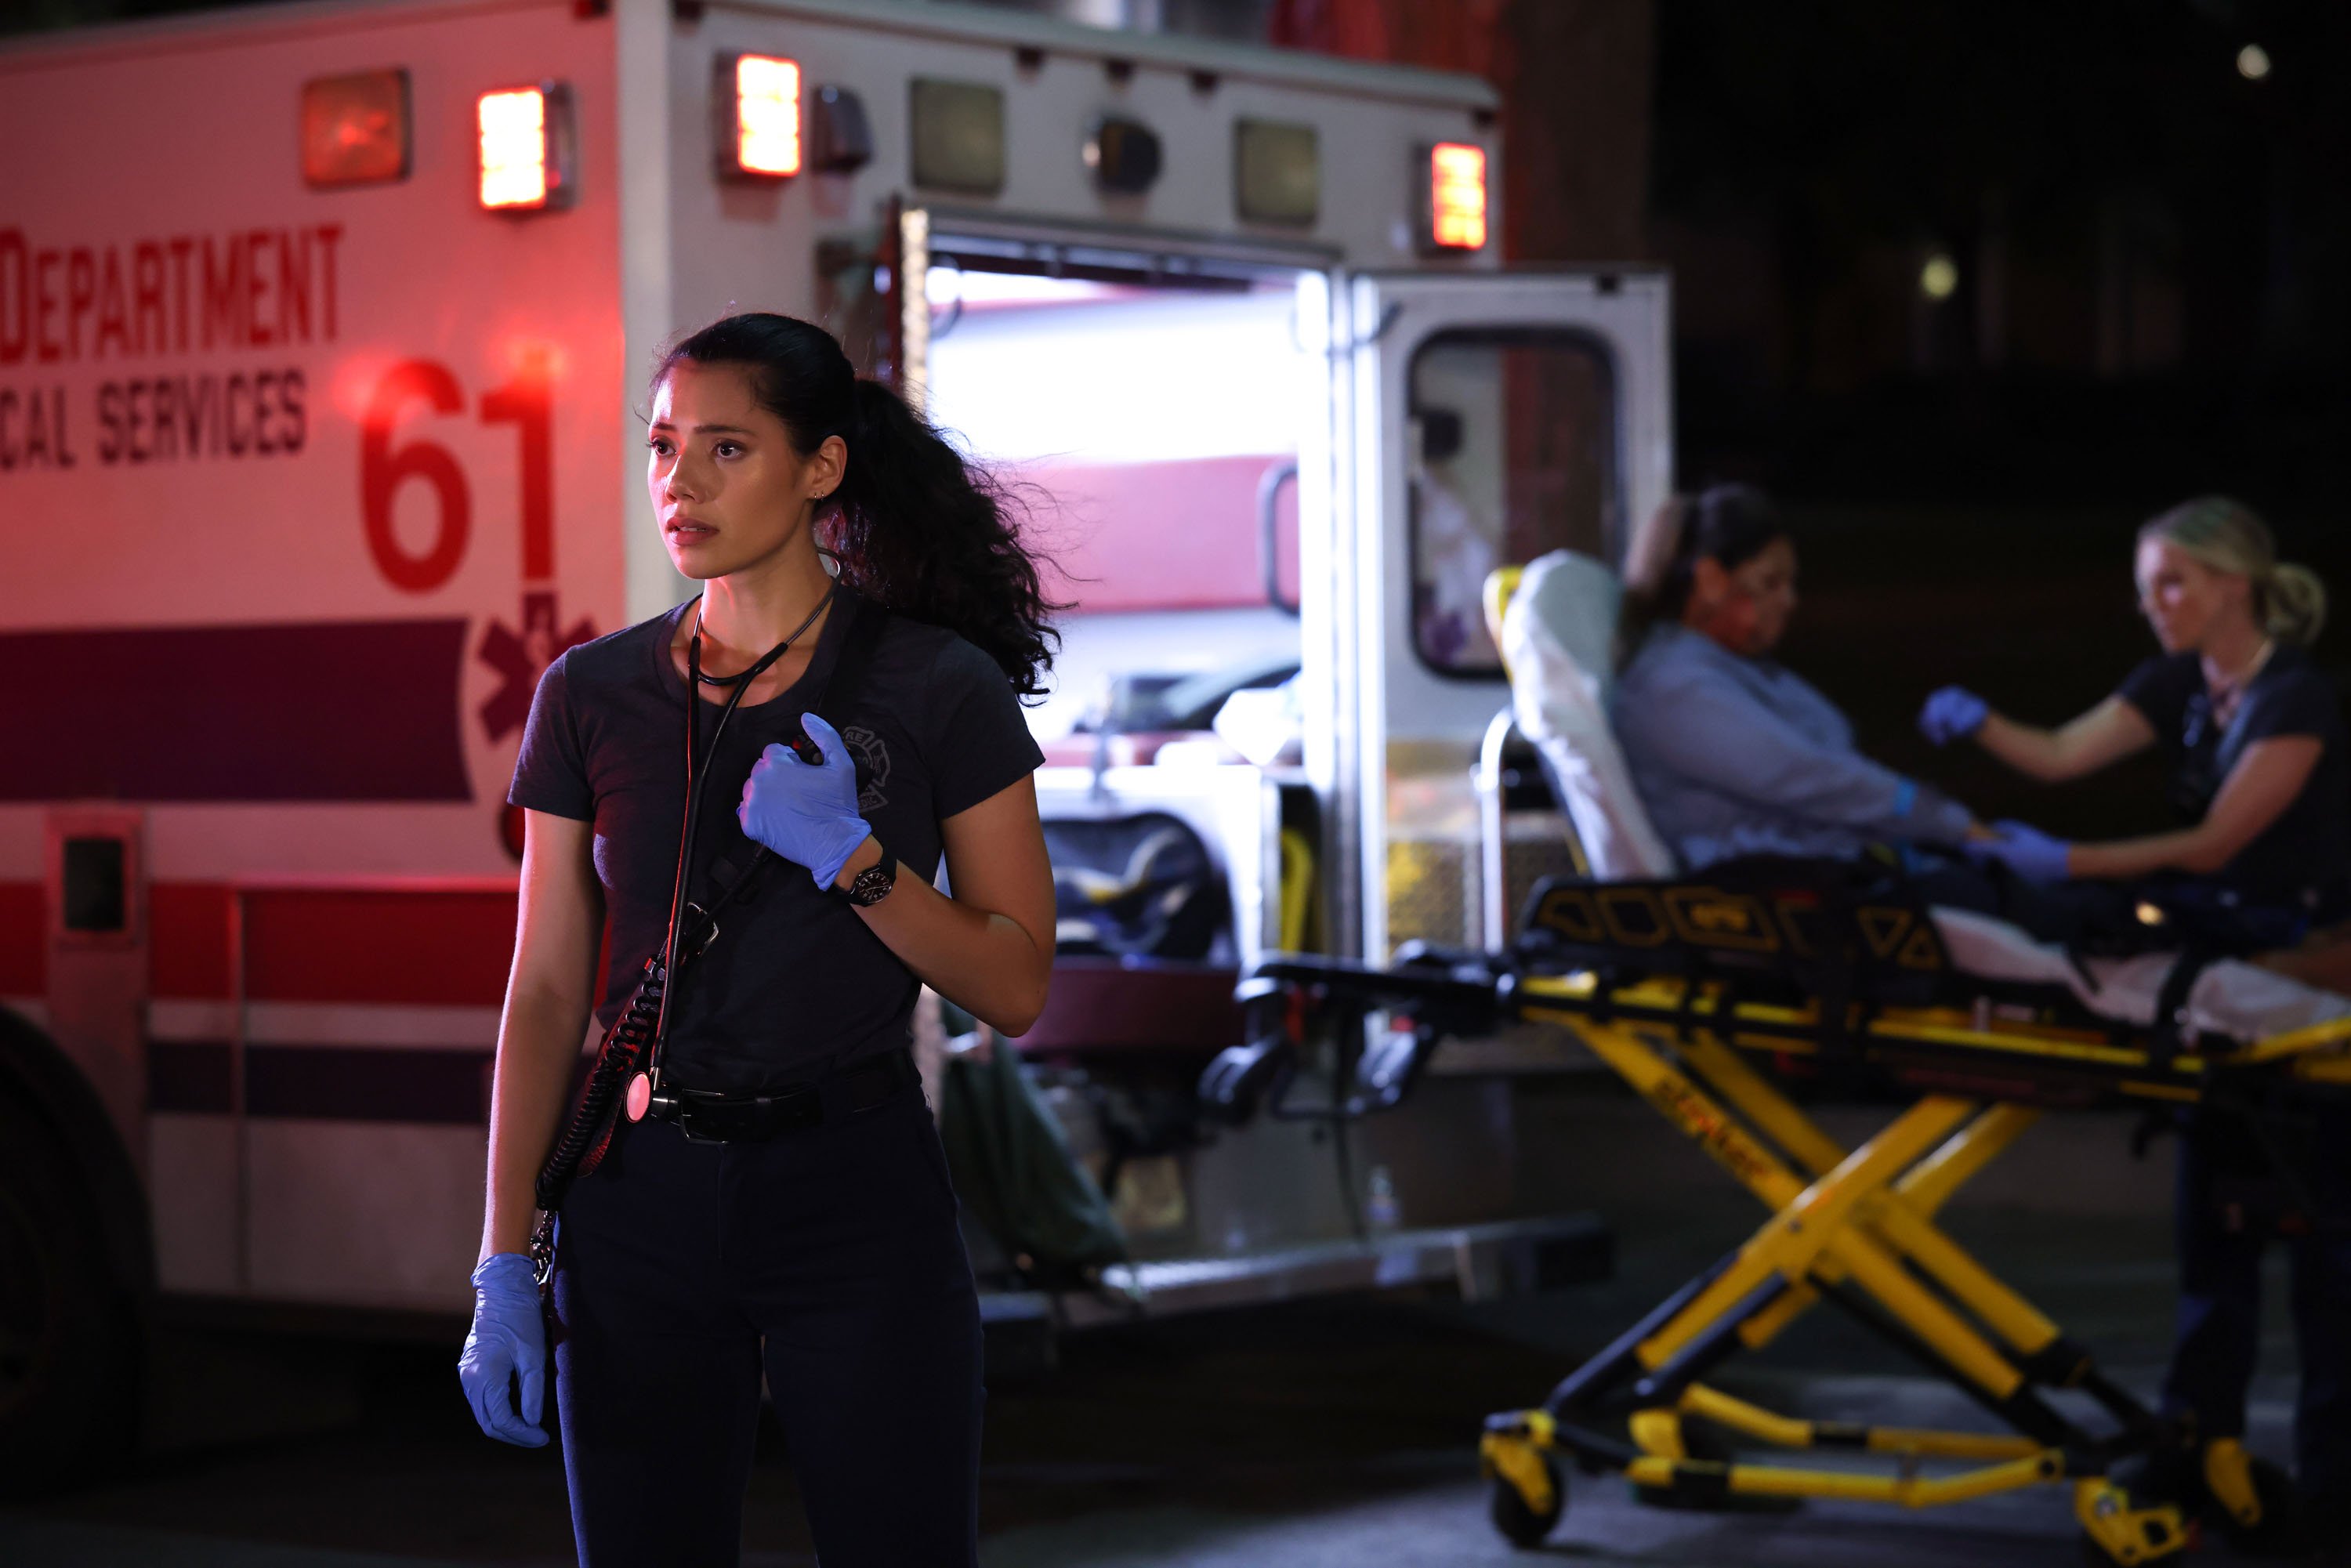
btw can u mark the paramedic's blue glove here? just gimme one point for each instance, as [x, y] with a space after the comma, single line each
[1951, 714]
[2024, 849]
[509, 1339]
[806, 814]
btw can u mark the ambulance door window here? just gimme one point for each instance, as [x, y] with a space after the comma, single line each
[1513, 454]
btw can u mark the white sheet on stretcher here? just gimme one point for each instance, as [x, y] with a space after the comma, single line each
[2230, 998]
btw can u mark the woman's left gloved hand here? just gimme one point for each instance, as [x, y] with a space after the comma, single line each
[2024, 849]
[806, 813]
[506, 1347]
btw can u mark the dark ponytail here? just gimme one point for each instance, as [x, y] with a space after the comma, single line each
[916, 527]
[1728, 523]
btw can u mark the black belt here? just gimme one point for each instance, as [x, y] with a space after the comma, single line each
[745, 1116]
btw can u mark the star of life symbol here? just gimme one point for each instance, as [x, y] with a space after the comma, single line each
[521, 657]
[867, 749]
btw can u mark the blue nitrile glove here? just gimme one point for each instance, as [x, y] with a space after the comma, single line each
[508, 1339]
[1951, 713]
[806, 814]
[2024, 849]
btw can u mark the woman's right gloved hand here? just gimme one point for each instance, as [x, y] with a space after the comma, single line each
[1952, 714]
[2024, 849]
[508, 1341]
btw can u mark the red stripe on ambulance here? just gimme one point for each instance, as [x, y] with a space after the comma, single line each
[424, 947]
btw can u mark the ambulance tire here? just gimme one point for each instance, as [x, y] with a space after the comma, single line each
[70, 1335]
[2279, 1533]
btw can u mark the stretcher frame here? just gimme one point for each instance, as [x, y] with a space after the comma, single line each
[1856, 1226]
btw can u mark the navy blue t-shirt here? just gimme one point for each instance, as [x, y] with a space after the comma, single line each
[2303, 858]
[795, 986]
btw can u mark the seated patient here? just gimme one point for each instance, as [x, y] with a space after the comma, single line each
[1731, 753]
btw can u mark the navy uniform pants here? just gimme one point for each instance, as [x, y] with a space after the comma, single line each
[827, 1258]
[2230, 1205]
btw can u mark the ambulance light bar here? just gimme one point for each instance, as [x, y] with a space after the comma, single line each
[526, 149]
[1457, 197]
[355, 129]
[759, 99]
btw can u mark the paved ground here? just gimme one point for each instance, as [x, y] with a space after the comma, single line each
[1297, 1439]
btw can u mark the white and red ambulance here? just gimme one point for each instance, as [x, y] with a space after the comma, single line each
[323, 330]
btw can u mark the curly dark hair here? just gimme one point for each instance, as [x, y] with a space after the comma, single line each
[918, 527]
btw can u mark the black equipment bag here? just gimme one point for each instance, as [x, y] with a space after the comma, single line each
[1013, 1170]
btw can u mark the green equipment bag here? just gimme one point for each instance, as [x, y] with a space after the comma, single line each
[1013, 1170]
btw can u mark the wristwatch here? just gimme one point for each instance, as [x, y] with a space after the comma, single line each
[871, 885]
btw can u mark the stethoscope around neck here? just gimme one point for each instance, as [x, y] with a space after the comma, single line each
[646, 1084]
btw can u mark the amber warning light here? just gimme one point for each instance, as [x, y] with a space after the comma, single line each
[1457, 196]
[765, 137]
[525, 147]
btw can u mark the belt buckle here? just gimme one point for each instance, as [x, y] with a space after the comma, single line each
[694, 1122]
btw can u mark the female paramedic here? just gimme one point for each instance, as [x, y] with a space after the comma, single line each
[2260, 768]
[1732, 753]
[773, 1199]
[2262, 777]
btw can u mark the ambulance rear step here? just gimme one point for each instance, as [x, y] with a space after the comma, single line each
[1500, 1257]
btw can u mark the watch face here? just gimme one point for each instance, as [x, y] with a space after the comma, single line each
[870, 885]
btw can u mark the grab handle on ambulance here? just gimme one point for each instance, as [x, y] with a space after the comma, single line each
[1268, 526]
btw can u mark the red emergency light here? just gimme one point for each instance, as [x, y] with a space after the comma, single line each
[1457, 196]
[355, 129]
[759, 116]
[525, 147]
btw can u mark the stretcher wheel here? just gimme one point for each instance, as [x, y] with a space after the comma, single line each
[2279, 1533]
[1520, 1524]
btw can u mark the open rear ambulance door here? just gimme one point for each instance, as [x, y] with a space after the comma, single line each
[1494, 417]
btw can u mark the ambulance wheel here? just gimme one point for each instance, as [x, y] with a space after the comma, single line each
[68, 1338]
[1518, 1523]
[2279, 1533]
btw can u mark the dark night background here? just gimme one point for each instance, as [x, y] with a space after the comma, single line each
[2150, 250]
[2150, 260]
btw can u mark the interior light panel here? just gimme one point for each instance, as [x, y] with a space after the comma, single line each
[1457, 196]
[959, 136]
[1277, 172]
[763, 135]
[355, 129]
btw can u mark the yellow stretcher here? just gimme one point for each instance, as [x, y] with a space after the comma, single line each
[1682, 988]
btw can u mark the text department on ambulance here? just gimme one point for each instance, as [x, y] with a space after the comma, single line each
[93, 305]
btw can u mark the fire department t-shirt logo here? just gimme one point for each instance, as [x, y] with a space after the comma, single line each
[874, 760]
